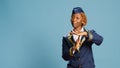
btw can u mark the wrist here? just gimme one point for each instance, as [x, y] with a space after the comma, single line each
[85, 33]
[74, 48]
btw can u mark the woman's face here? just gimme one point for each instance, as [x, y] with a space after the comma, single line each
[76, 20]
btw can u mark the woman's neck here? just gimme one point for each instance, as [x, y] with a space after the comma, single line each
[77, 29]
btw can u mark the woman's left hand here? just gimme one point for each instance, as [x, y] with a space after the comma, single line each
[80, 33]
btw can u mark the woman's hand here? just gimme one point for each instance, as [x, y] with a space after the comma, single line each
[78, 42]
[80, 33]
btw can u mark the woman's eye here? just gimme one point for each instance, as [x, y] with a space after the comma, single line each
[78, 18]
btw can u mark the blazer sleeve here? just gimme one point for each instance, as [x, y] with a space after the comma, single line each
[94, 37]
[65, 49]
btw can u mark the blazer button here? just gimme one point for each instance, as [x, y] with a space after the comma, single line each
[79, 66]
[78, 58]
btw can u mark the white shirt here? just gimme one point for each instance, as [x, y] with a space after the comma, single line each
[75, 37]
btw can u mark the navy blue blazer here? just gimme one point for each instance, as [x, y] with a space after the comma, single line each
[84, 57]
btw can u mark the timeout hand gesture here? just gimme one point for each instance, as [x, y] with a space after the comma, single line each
[78, 42]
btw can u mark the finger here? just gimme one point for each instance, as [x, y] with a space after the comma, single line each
[78, 37]
[75, 33]
[71, 33]
[81, 34]
[78, 40]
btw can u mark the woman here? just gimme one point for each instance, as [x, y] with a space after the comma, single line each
[77, 45]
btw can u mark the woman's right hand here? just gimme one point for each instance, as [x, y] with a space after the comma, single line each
[77, 45]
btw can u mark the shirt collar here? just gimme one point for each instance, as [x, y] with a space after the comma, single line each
[75, 37]
[82, 29]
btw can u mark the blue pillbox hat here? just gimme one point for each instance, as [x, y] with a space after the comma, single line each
[77, 10]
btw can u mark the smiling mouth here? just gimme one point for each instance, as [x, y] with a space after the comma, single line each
[74, 25]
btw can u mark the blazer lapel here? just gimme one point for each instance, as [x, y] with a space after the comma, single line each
[70, 38]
